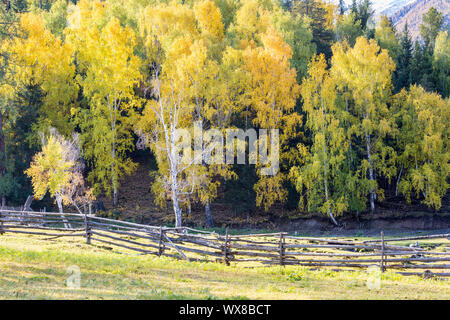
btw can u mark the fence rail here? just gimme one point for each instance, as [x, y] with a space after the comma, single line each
[255, 249]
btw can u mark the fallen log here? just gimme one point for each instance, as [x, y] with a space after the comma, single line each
[432, 236]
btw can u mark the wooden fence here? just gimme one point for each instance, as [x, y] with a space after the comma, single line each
[425, 258]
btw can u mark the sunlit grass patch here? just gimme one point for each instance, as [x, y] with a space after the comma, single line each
[32, 268]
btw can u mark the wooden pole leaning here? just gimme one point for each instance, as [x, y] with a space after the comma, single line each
[87, 228]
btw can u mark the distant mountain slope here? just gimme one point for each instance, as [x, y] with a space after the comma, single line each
[385, 7]
[402, 11]
[413, 12]
[391, 7]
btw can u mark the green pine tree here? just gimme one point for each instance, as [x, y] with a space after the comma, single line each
[403, 70]
[432, 23]
[322, 35]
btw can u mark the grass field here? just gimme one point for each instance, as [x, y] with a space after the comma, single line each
[34, 268]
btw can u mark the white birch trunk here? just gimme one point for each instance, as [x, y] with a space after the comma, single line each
[209, 219]
[371, 178]
[325, 179]
[60, 208]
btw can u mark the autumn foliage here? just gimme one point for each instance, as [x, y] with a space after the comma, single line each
[123, 74]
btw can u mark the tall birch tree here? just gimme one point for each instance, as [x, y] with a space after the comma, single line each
[365, 71]
[323, 172]
[109, 72]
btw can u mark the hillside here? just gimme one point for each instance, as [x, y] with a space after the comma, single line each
[413, 12]
[385, 7]
[249, 76]
[34, 268]
[391, 7]
[136, 203]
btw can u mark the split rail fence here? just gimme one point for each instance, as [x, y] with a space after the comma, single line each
[424, 259]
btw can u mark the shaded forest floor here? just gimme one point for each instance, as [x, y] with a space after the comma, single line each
[136, 203]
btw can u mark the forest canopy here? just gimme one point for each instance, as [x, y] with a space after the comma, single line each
[362, 112]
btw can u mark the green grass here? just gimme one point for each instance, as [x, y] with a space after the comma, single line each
[34, 268]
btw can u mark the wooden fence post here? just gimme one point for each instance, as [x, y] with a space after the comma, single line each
[225, 248]
[1, 223]
[161, 244]
[281, 248]
[382, 262]
[87, 229]
[43, 216]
